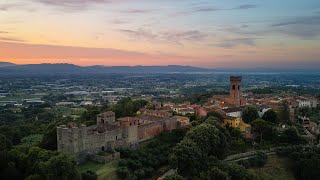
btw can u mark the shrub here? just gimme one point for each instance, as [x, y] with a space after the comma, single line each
[139, 173]
[123, 172]
[89, 175]
[122, 163]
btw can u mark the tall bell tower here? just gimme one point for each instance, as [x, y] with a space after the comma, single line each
[235, 89]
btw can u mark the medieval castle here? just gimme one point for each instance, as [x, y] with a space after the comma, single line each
[110, 133]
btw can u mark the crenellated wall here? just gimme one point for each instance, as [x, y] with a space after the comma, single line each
[84, 142]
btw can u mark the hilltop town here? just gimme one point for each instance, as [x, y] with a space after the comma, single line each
[143, 125]
[110, 133]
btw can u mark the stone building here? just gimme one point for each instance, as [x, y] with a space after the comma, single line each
[108, 117]
[108, 134]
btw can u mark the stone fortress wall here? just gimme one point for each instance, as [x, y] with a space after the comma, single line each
[148, 131]
[109, 134]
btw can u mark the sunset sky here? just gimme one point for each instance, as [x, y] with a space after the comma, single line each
[202, 33]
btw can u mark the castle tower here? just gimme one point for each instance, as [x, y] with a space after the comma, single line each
[106, 118]
[129, 126]
[71, 138]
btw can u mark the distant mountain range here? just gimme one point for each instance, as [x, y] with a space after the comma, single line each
[56, 69]
[8, 68]
[6, 64]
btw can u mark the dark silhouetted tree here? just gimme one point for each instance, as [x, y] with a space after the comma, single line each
[250, 114]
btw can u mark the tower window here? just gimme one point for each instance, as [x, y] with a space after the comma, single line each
[238, 87]
[233, 87]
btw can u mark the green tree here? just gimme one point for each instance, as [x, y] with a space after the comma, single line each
[11, 172]
[89, 175]
[291, 136]
[139, 173]
[5, 143]
[270, 116]
[284, 114]
[173, 177]
[260, 126]
[212, 120]
[215, 114]
[201, 142]
[236, 171]
[90, 115]
[49, 140]
[123, 172]
[60, 167]
[250, 114]
[186, 156]
[214, 174]
[206, 136]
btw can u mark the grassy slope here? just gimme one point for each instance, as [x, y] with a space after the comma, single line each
[104, 171]
[275, 169]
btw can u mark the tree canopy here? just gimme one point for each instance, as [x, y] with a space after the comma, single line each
[270, 116]
[260, 126]
[250, 114]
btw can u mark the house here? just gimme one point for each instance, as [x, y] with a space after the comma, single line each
[238, 123]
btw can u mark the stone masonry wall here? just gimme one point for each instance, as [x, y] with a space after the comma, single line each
[148, 131]
[104, 159]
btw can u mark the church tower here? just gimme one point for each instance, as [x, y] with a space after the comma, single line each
[235, 90]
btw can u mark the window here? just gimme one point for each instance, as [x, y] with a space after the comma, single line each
[233, 87]
[238, 87]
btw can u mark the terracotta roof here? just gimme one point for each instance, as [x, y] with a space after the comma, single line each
[108, 113]
[128, 119]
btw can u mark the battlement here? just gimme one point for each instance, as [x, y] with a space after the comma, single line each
[71, 126]
[235, 78]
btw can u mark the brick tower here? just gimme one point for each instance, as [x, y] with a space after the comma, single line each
[235, 90]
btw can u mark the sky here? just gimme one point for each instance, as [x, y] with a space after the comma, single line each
[201, 33]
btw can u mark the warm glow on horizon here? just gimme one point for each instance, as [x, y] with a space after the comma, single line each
[149, 32]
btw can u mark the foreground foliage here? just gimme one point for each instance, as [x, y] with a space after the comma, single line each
[306, 160]
[199, 154]
[25, 162]
[144, 162]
